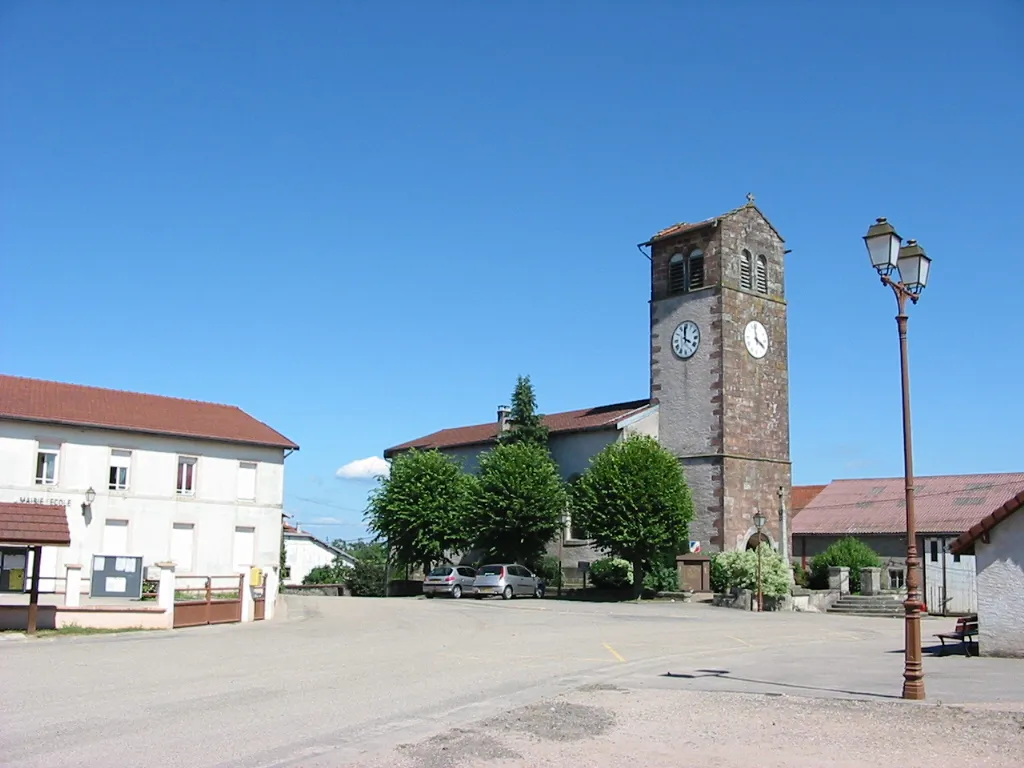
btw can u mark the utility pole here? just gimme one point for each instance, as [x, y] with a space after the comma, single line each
[784, 533]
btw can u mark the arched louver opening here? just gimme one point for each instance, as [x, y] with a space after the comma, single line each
[696, 270]
[677, 273]
[762, 274]
[746, 270]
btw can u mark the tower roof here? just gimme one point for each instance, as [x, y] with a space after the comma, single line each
[683, 227]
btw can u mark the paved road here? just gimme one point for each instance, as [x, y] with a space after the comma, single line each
[342, 681]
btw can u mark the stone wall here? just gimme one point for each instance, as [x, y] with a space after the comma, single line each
[750, 485]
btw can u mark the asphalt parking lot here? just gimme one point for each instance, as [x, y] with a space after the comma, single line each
[347, 681]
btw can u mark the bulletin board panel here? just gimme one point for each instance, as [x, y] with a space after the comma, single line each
[116, 576]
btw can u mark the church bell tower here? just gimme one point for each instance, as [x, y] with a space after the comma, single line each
[720, 372]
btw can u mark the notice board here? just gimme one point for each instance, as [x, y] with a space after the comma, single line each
[116, 576]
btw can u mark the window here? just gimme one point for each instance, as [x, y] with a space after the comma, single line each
[245, 547]
[762, 274]
[120, 462]
[46, 465]
[182, 539]
[895, 578]
[187, 475]
[746, 270]
[695, 269]
[115, 537]
[677, 273]
[933, 554]
[247, 480]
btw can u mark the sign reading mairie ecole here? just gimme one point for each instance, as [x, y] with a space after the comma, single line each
[48, 501]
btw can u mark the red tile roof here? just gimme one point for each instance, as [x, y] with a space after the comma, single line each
[34, 524]
[947, 504]
[58, 403]
[987, 523]
[804, 495]
[557, 423]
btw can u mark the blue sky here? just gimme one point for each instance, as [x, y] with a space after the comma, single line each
[360, 221]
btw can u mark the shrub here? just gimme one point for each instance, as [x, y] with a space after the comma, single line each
[548, 568]
[849, 553]
[801, 576]
[719, 573]
[611, 573]
[738, 570]
[661, 577]
[335, 573]
[366, 578]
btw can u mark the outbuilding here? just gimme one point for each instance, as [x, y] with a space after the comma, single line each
[997, 543]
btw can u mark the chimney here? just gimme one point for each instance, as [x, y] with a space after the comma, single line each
[504, 414]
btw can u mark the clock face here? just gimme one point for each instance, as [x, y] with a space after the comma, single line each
[756, 339]
[686, 339]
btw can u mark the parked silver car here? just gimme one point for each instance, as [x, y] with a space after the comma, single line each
[451, 580]
[507, 580]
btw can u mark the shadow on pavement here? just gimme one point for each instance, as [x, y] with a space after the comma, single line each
[723, 674]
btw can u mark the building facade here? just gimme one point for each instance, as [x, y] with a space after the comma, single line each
[304, 552]
[198, 484]
[874, 511]
[720, 369]
[997, 542]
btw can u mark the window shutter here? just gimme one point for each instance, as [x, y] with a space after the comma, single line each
[696, 270]
[247, 480]
[677, 274]
[762, 275]
[746, 275]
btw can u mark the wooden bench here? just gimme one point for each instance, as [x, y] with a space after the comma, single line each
[966, 629]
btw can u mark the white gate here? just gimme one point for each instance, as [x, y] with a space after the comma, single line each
[950, 580]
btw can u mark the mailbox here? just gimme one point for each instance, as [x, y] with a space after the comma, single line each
[255, 577]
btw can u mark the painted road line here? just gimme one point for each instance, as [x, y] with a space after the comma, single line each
[613, 652]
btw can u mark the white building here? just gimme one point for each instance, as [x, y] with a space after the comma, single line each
[304, 552]
[998, 545]
[196, 483]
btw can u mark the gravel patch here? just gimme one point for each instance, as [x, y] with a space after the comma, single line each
[599, 727]
[560, 720]
[457, 747]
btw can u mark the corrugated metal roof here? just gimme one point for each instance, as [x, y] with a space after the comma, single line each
[990, 521]
[949, 504]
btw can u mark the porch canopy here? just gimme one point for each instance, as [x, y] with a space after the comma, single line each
[35, 526]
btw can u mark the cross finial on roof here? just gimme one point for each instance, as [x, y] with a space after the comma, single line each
[750, 198]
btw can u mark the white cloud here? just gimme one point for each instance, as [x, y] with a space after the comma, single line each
[364, 469]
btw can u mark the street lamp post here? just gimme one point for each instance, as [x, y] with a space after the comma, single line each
[911, 267]
[759, 524]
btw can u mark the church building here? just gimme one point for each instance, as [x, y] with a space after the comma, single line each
[719, 383]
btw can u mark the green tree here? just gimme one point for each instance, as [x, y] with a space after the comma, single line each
[519, 502]
[525, 424]
[362, 550]
[634, 502]
[849, 552]
[420, 508]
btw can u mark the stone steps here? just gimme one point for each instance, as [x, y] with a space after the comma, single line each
[869, 605]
